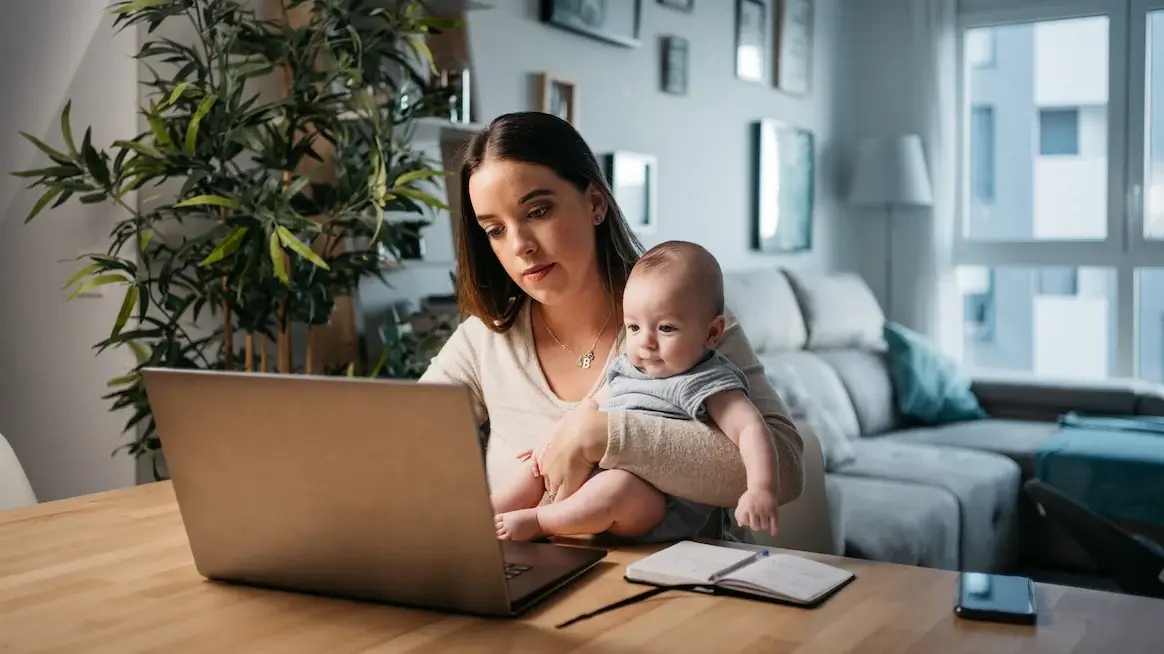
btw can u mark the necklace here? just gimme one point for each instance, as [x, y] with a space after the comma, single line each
[586, 359]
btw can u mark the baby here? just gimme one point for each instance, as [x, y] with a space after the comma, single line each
[673, 316]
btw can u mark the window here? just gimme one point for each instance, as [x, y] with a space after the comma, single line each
[1058, 132]
[1072, 237]
[980, 49]
[1011, 323]
[982, 153]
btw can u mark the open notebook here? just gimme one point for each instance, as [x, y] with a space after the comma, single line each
[760, 573]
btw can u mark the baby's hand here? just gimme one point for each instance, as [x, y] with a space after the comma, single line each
[533, 459]
[757, 510]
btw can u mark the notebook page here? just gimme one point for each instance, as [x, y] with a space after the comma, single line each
[685, 562]
[793, 577]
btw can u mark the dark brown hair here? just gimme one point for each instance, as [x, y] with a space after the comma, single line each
[700, 268]
[484, 289]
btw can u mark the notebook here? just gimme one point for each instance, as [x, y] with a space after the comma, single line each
[751, 572]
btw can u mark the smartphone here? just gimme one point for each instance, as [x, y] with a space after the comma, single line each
[996, 598]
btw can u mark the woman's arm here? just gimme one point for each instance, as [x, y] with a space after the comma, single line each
[697, 462]
[457, 363]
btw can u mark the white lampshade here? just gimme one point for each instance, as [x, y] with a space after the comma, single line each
[891, 171]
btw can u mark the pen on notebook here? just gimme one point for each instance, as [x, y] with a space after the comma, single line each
[736, 566]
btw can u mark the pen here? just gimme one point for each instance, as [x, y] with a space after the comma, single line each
[732, 568]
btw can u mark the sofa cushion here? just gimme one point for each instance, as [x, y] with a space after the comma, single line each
[986, 485]
[839, 310]
[1018, 440]
[765, 306]
[928, 385]
[811, 415]
[898, 522]
[820, 383]
[865, 376]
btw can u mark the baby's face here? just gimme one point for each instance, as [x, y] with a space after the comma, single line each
[668, 327]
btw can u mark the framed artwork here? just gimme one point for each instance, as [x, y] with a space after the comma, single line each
[675, 52]
[751, 40]
[633, 178]
[559, 97]
[682, 5]
[792, 53]
[613, 21]
[783, 193]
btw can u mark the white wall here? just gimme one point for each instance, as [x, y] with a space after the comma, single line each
[50, 380]
[702, 140]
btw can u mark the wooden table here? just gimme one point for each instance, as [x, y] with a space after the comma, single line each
[112, 572]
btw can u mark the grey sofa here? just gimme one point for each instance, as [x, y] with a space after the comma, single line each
[945, 496]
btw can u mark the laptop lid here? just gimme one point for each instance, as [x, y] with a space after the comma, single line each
[371, 489]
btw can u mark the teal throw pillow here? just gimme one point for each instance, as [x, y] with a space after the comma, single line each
[929, 386]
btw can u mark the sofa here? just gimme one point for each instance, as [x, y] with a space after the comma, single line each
[943, 496]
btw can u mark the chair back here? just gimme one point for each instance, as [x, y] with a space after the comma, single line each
[15, 490]
[1135, 566]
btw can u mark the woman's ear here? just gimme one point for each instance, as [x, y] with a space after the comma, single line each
[596, 201]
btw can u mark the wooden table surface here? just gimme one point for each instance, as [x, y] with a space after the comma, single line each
[111, 572]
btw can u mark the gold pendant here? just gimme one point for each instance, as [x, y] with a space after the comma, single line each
[584, 362]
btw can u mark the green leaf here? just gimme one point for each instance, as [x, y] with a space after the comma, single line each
[277, 258]
[414, 175]
[199, 114]
[48, 196]
[51, 171]
[96, 282]
[124, 380]
[226, 247]
[423, 52]
[140, 148]
[201, 200]
[176, 93]
[421, 196]
[67, 128]
[299, 247]
[144, 239]
[139, 351]
[83, 272]
[126, 309]
[138, 5]
[56, 155]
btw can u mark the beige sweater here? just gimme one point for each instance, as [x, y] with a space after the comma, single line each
[684, 458]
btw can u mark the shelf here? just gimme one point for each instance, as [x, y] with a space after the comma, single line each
[415, 263]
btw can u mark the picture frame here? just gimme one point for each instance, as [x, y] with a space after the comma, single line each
[686, 6]
[792, 52]
[751, 56]
[613, 21]
[784, 169]
[634, 182]
[558, 96]
[674, 64]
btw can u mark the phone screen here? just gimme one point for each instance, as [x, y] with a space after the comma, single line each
[988, 593]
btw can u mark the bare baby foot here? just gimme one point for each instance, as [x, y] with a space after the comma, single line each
[518, 525]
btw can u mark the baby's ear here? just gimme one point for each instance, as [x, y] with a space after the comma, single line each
[715, 331]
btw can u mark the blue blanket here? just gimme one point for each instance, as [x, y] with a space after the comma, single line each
[1112, 465]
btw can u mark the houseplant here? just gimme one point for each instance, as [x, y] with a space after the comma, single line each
[267, 207]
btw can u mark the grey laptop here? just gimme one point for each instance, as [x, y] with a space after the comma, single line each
[358, 488]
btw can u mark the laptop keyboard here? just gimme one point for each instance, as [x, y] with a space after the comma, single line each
[514, 569]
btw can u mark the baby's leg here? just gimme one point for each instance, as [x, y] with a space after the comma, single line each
[612, 500]
[524, 491]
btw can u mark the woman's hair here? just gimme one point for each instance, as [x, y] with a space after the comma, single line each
[484, 289]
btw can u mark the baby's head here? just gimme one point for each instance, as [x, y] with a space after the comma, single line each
[672, 308]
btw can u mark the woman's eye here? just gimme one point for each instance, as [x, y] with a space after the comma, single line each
[538, 212]
[493, 232]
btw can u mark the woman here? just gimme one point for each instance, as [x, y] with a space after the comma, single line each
[543, 255]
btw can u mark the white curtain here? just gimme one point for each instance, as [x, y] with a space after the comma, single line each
[930, 296]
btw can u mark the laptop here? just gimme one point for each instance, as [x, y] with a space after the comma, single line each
[366, 489]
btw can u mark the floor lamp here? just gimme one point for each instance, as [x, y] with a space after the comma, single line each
[890, 173]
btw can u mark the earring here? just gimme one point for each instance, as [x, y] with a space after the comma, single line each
[598, 218]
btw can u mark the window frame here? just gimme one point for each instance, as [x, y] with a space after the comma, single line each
[1124, 250]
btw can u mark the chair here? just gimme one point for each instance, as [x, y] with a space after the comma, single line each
[15, 491]
[1135, 564]
[805, 523]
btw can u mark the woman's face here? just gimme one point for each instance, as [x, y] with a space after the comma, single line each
[540, 227]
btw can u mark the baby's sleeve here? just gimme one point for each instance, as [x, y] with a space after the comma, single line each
[714, 376]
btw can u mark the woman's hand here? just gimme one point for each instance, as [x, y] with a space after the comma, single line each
[573, 451]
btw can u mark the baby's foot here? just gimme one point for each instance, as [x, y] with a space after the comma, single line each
[518, 525]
